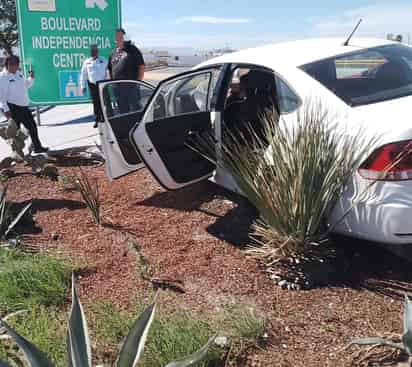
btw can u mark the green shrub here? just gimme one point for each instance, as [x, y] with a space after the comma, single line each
[79, 346]
[89, 190]
[175, 337]
[293, 175]
[27, 279]
[246, 324]
[169, 338]
[45, 327]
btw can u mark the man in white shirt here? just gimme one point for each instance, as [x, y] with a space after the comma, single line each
[94, 69]
[14, 99]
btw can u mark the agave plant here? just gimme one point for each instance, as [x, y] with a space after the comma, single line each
[7, 222]
[406, 341]
[78, 342]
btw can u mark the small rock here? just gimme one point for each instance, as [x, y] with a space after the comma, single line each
[6, 163]
[7, 173]
[222, 341]
[50, 171]
[275, 277]
[282, 283]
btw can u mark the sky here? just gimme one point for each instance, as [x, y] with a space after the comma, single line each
[208, 24]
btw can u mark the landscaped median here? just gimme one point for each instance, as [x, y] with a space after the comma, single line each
[194, 238]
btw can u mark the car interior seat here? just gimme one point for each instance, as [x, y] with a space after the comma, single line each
[243, 114]
[261, 96]
[186, 104]
[260, 91]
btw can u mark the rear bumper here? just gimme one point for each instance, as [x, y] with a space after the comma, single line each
[382, 213]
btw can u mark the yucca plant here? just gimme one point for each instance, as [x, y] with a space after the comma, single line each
[292, 173]
[405, 346]
[78, 342]
[89, 190]
[8, 221]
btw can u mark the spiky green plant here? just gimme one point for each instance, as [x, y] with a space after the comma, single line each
[405, 345]
[89, 190]
[79, 347]
[292, 173]
[7, 221]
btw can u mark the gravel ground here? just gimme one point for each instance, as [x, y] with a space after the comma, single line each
[196, 236]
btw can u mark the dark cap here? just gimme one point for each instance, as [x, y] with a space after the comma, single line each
[121, 30]
[11, 60]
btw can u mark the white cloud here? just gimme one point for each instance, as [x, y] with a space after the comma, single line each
[211, 20]
[201, 41]
[378, 20]
[198, 40]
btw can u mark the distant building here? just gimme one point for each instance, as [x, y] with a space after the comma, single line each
[393, 37]
[173, 58]
[162, 56]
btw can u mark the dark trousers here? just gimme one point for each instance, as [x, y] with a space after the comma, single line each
[22, 115]
[97, 108]
[128, 98]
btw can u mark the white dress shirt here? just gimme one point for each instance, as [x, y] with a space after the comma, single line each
[14, 89]
[93, 70]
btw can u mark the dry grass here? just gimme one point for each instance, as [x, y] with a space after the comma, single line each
[89, 190]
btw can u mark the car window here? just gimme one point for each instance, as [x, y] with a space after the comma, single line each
[122, 98]
[358, 65]
[368, 76]
[287, 99]
[191, 94]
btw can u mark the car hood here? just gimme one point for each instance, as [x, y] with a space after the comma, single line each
[390, 120]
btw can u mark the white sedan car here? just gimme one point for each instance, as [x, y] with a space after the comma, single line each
[369, 81]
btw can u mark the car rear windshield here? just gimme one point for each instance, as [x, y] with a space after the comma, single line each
[369, 76]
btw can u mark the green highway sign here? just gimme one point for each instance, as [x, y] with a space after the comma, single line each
[55, 39]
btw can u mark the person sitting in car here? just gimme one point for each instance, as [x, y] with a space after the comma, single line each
[243, 114]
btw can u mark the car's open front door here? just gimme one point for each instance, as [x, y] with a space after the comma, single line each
[181, 108]
[123, 103]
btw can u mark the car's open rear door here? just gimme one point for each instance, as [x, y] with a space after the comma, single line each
[180, 109]
[123, 103]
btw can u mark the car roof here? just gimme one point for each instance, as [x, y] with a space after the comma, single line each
[296, 53]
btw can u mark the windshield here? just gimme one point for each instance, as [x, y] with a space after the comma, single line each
[368, 76]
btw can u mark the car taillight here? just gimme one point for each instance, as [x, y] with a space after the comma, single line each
[392, 162]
